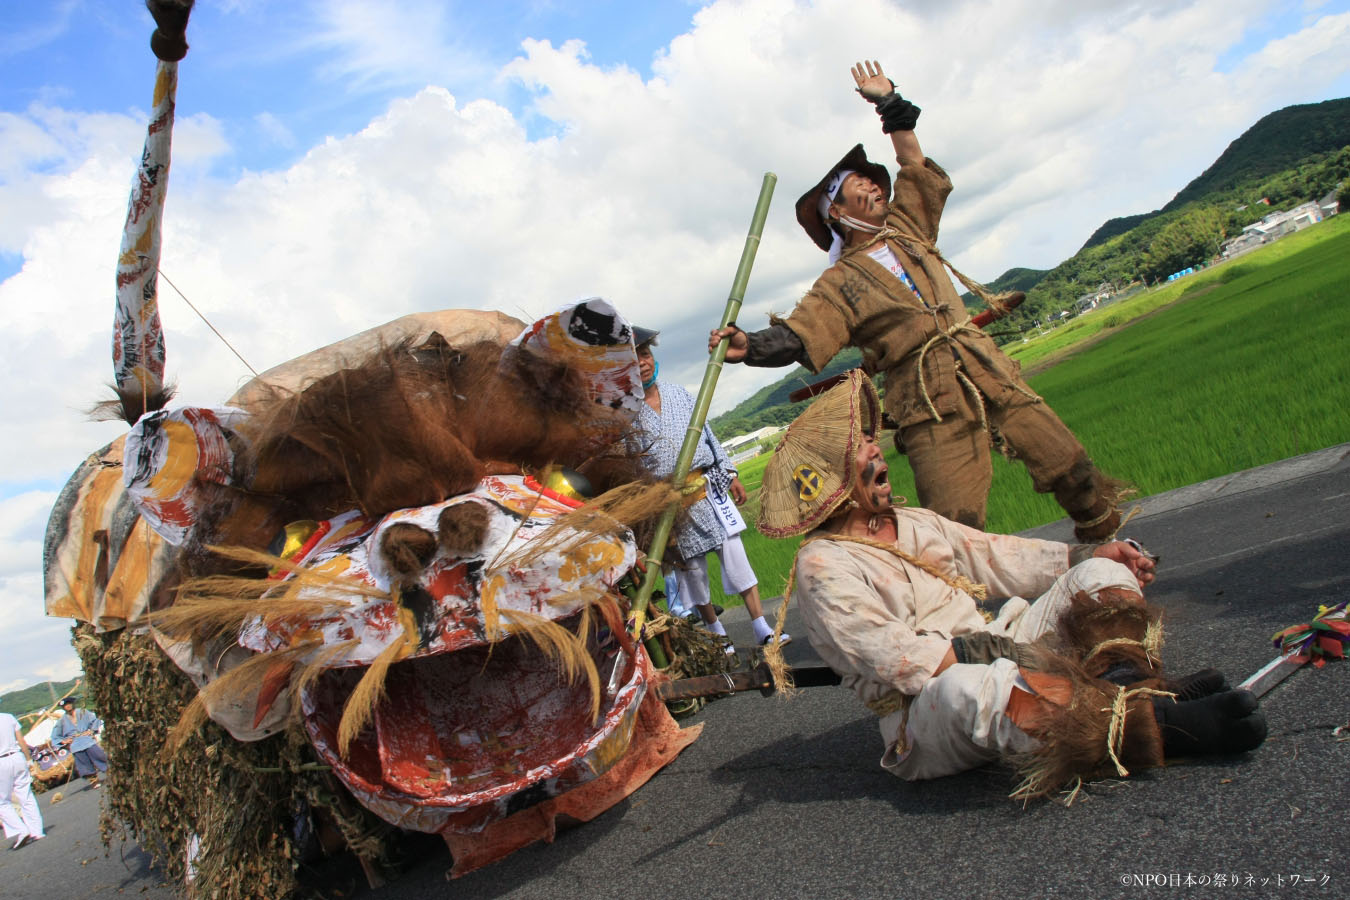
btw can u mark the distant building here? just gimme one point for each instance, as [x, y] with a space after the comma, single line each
[731, 444]
[1329, 204]
[1272, 227]
[1091, 300]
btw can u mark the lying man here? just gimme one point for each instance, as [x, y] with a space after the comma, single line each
[950, 390]
[1069, 683]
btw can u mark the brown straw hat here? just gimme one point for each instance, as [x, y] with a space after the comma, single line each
[808, 205]
[812, 470]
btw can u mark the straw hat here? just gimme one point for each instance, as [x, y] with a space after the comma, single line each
[811, 473]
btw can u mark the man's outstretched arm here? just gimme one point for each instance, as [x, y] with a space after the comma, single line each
[898, 115]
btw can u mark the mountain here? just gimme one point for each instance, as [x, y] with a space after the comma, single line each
[30, 699]
[770, 405]
[1275, 143]
[1011, 280]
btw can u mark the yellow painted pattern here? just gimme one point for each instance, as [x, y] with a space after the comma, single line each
[94, 510]
[166, 79]
[126, 598]
[180, 462]
[608, 751]
[590, 559]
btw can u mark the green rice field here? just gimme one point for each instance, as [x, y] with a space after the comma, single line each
[1242, 364]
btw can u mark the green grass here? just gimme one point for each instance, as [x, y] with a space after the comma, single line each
[1253, 367]
[1090, 324]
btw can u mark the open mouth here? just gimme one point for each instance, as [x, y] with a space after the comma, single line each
[882, 477]
[469, 737]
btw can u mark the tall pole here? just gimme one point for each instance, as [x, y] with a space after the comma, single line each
[661, 537]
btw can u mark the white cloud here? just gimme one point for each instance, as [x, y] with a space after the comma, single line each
[274, 130]
[371, 45]
[35, 647]
[1050, 117]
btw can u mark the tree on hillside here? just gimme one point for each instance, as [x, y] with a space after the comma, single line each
[1191, 239]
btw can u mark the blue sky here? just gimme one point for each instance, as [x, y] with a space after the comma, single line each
[339, 163]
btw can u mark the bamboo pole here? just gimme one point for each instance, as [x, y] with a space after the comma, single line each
[661, 537]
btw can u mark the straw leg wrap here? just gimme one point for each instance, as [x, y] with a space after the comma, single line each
[1090, 498]
[1113, 635]
[1086, 728]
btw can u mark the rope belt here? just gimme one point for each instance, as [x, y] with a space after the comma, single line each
[949, 336]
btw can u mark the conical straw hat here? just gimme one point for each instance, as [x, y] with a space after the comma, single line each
[812, 470]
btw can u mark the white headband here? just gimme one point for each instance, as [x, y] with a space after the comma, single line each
[826, 198]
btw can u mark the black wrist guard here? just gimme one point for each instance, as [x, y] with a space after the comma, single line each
[897, 113]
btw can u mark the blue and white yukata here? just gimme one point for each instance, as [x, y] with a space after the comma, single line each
[701, 530]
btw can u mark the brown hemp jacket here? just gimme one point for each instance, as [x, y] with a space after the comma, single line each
[859, 303]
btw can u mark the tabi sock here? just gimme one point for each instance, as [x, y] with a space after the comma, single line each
[762, 628]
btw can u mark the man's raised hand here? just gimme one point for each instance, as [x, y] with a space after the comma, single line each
[872, 82]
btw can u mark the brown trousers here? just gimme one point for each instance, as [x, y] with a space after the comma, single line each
[951, 458]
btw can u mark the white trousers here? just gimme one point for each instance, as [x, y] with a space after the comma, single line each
[959, 719]
[15, 781]
[687, 586]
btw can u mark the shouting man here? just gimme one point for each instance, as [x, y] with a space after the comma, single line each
[1067, 682]
[950, 390]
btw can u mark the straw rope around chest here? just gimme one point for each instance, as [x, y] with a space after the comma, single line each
[916, 246]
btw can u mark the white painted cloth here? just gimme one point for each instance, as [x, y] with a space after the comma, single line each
[885, 625]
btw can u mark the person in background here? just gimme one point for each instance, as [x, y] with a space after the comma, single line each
[712, 525]
[75, 730]
[15, 781]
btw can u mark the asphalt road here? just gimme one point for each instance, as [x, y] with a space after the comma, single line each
[785, 799]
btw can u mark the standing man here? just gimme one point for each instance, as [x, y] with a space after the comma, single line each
[76, 730]
[950, 390]
[15, 780]
[662, 424]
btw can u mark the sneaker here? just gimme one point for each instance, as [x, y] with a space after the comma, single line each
[783, 640]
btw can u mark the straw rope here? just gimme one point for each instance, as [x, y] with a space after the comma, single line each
[773, 653]
[1151, 644]
[958, 582]
[1115, 733]
[915, 245]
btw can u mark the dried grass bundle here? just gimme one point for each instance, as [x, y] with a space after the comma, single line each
[240, 800]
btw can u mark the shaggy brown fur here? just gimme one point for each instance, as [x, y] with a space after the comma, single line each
[462, 528]
[1094, 623]
[411, 426]
[407, 426]
[1073, 736]
[407, 549]
[129, 406]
